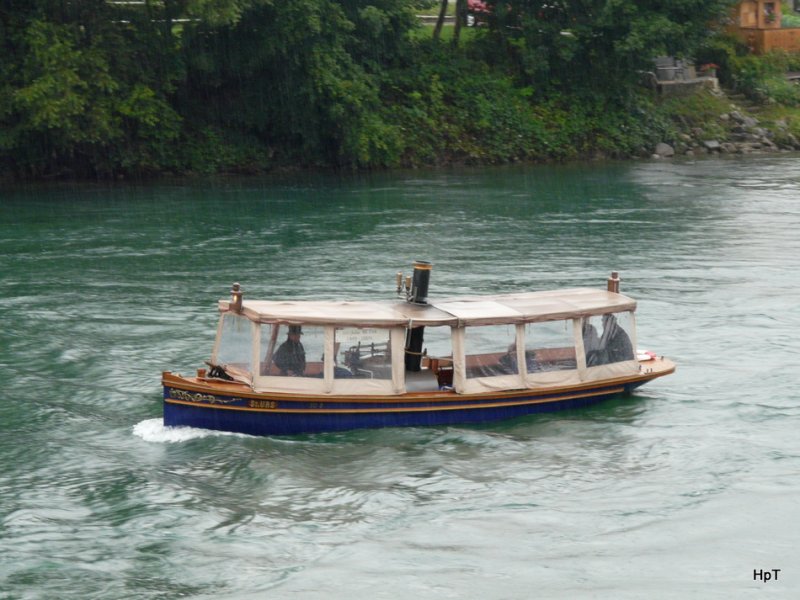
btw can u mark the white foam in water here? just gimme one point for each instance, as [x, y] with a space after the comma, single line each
[153, 430]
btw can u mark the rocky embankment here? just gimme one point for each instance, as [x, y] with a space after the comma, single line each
[743, 134]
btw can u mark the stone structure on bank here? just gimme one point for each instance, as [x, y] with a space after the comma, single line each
[678, 77]
[744, 135]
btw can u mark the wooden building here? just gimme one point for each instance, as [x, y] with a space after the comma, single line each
[758, 24]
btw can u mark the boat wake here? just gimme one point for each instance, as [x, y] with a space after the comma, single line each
[154, 430]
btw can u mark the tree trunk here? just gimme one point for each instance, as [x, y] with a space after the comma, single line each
[461, 18]
[437, 31]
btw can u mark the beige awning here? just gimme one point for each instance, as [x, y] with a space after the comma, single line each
[455, 312]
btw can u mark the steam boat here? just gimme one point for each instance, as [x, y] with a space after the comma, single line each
[290, 367]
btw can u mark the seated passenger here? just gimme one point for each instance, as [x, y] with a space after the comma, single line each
[508, 362]
[615, 341]
[591, 345]
[291, 356]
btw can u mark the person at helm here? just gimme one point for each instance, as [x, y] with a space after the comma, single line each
[291, 356]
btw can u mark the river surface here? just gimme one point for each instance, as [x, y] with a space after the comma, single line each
[682, 490]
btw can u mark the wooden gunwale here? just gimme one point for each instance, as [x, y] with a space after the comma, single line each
[652, 370]
[406, 409]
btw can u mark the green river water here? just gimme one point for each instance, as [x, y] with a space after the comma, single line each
[688, 489]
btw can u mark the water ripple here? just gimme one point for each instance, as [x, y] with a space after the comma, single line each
[679, 491]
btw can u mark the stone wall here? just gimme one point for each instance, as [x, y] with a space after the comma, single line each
[744, 135]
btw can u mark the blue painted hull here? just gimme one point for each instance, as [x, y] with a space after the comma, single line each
[291, 424]
[230, 413]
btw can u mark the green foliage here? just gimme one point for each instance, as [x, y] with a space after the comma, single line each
[781, 91]
[213, 150]
[723, 50]
[762, 79]
[451, 108]
[597, 44]
[788, 117]
[73, 104]
[458, 109]
[63, 100]
[302, 76]
[698, 111]
[213, 12]
[426, 6]
[604, 126]
[790, 18]
[99, 89]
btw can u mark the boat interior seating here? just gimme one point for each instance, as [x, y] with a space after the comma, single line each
[369, 361]
[505, 363]
[422, 381]
[442, 367]
[551, 359]
[313, 369]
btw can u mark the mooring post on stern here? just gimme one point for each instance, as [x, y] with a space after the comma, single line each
[613, 282]
[236, 298]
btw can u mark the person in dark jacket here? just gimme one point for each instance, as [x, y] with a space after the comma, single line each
[615, 341]
[291, 356]
[591, 345]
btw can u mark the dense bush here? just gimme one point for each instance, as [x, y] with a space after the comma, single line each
[98, 89]
[449, 107]
[762, 78]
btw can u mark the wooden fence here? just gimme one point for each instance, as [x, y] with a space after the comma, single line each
[764, 40]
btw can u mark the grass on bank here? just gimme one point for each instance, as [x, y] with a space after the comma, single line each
[771, 116]
[430, 8]
[700, 110]
[425, 31]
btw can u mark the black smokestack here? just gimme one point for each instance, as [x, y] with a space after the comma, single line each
[419, 285]
[419, 295]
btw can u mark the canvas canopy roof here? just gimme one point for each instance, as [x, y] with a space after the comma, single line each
[455, 312]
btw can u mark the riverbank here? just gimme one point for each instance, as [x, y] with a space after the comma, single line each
[156, 90]
[730, 125]
[478, 118]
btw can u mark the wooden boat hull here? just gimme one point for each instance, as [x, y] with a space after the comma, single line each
[228, 406]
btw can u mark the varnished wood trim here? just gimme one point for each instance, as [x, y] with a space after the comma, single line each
[405, 409]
